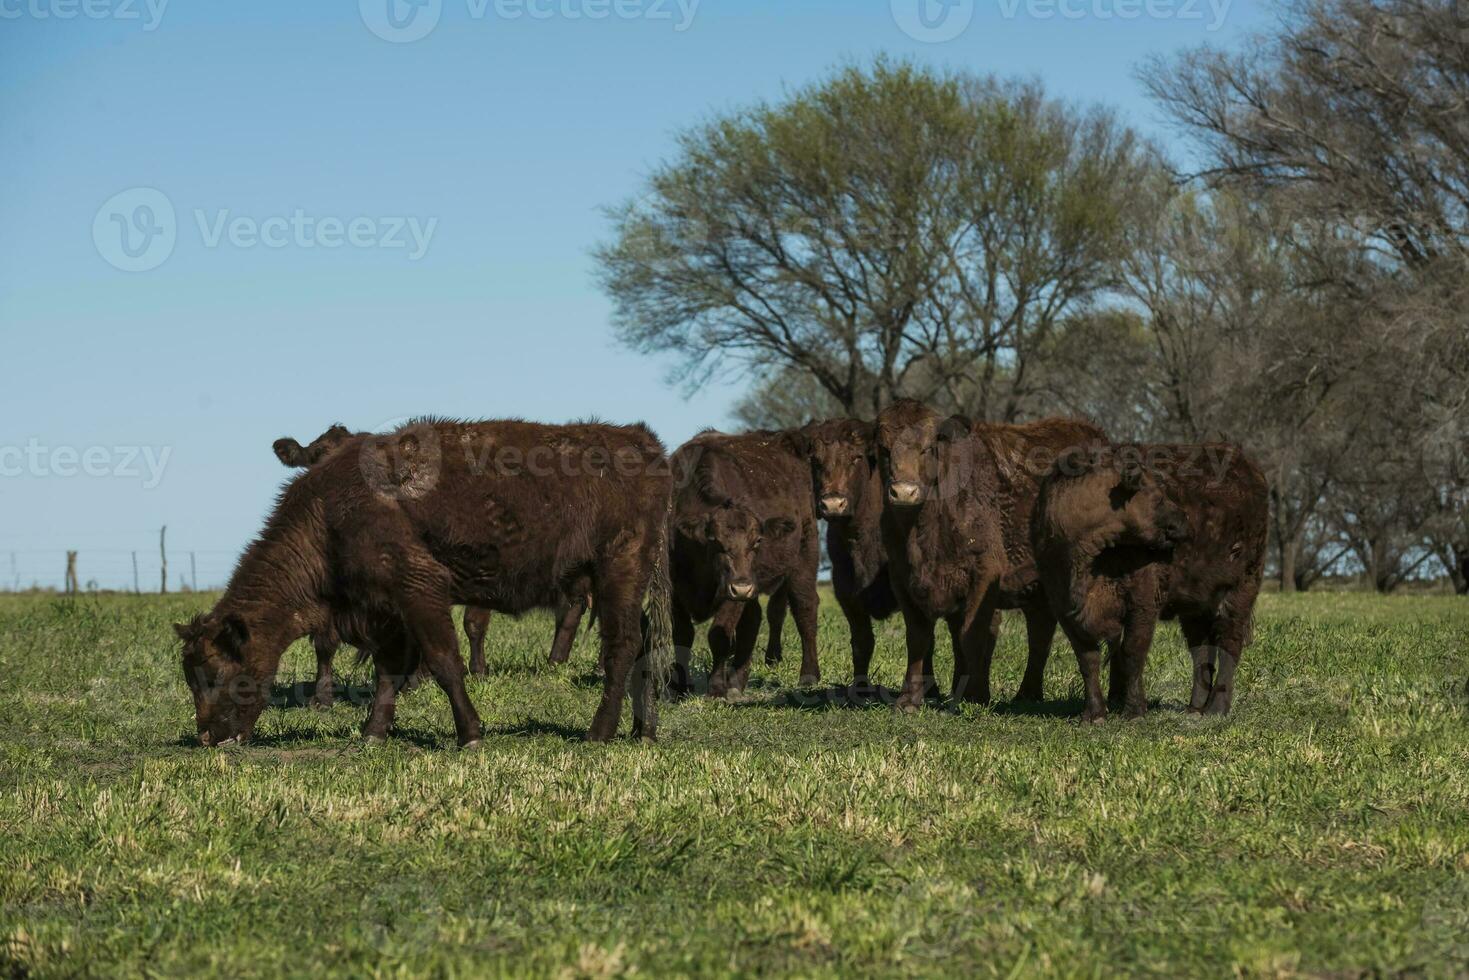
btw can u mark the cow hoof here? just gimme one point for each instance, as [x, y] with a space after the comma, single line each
[470, 745]
[373, 740]
[1093, 718]
[906, 707]
[321, 704]
[809, 680]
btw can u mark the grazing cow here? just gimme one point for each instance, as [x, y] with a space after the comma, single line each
[742, 526]
[849, 495]
[1130, 534]
[958, 502]
[476, 621]
[393, 530]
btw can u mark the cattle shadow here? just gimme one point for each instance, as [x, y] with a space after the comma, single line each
[833, 697]
[298, 694]
[535, 727]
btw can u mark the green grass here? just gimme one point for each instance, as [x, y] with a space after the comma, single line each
[1323, 829]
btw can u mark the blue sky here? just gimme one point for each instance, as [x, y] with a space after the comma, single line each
[299, 149]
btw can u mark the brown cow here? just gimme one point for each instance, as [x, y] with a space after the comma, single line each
[396, 528]
[944, 531]
[742, 526]
[849, 496]
[1136, 533]
[476, 621]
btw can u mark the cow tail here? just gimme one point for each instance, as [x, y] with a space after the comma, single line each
[656, 661]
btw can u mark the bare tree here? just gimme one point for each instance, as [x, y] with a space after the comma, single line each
[887, 232]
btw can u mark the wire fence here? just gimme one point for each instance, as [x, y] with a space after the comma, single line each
[142, 570]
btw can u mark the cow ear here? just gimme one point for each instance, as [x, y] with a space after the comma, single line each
[288, 451]
[691, 527]
[232, 636]
[954, 427]
[184, 631]
[778, 527]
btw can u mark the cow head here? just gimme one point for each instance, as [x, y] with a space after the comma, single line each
[732, 536]
[842, 461]
[227, 698]
[1125, 502]
[909, 436]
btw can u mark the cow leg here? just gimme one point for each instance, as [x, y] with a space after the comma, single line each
[1040, 633]
[1137, 640]
[1089, 660]
[1230, 638]
[962, 654]
[324, 693]
[568, 620]
[621, 582]
[425, 609]
[1196, 632]
[775, 615]
[747, 634]
[918, 682]
[975, 651]
[476, 624]
[859, 626]
[804, 601]
[393, 667]
[1117, 676]
[683, 648]
[722, 628]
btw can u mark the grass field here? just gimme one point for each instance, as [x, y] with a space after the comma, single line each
[1323, 829]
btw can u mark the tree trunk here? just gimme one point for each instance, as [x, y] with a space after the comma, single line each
[1461, 578]
[1290, 550]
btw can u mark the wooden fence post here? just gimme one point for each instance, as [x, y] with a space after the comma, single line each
[163, 553]
[136, 589]
[71, 573]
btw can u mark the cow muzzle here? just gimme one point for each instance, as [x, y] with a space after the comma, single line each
[741, 591]
[835, 505]
[905, 494]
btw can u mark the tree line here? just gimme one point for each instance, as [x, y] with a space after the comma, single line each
[1297, 283]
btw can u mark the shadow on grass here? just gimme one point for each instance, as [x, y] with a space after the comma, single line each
[533, 727]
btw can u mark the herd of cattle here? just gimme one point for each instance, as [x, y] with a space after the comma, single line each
[934, 517]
